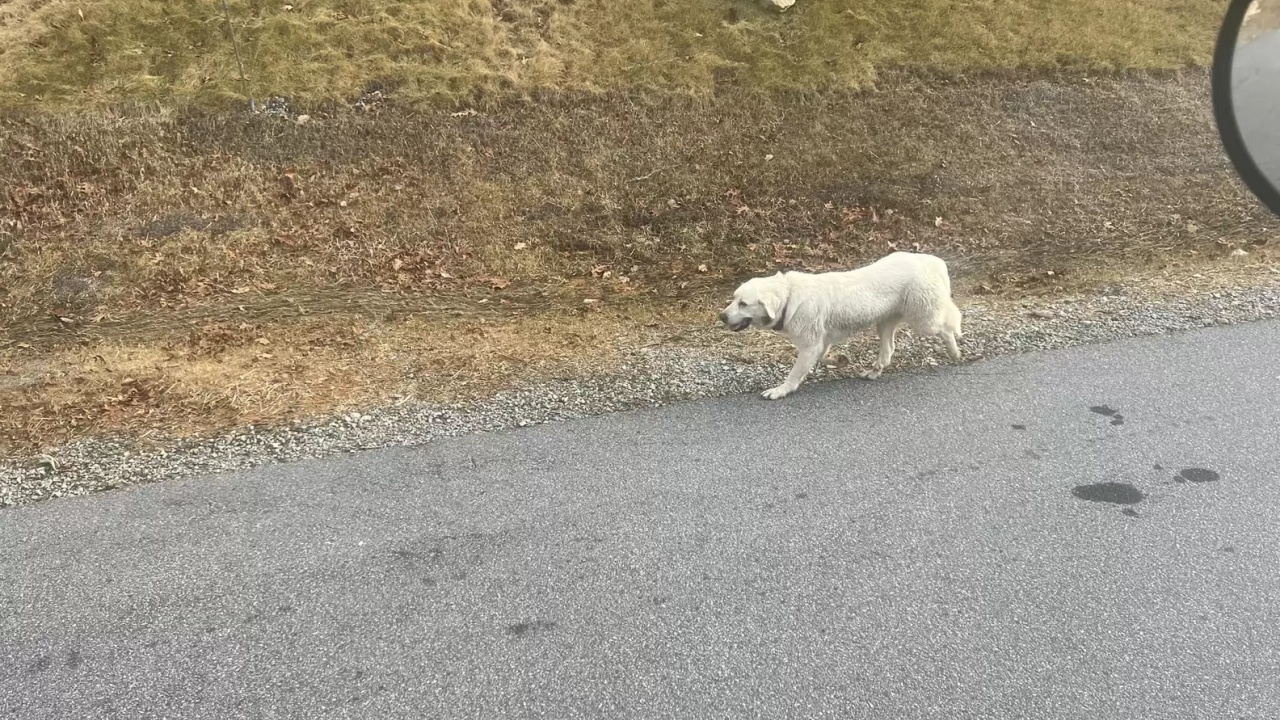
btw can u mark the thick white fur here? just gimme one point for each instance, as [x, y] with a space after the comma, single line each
[819, 310]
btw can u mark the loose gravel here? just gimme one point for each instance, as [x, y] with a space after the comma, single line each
[710, 363]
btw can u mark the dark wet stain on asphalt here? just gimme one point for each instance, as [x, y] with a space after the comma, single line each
[1106, 411]
[1109, 492]
[1197, 475]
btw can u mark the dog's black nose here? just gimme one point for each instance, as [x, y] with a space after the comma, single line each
[722, 317]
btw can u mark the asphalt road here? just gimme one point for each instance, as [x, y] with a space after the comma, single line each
[916, 547]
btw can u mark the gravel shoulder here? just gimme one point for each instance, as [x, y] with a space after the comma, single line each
[701, 362]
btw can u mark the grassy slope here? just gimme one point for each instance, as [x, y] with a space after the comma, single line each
[156, 277]
[59, 51]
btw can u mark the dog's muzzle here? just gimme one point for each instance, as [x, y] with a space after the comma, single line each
[741, 325]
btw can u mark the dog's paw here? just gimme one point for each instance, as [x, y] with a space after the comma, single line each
[775, 393]
[871, 374]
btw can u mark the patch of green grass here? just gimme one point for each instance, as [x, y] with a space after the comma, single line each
[59, 52]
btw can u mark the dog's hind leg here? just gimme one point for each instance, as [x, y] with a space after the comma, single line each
[951, 330]
[806, 356]
[887, 329]
[953, 350]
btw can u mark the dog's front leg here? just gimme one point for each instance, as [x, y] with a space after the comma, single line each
[806, 356]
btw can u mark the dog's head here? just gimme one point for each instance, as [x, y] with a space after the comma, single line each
[757, 302]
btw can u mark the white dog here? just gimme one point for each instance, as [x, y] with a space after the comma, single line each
[816, 311]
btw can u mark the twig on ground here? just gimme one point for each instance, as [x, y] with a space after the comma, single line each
[646, 177]
[235, 44]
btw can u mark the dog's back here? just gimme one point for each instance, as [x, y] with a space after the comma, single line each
[922, 287]
[913, 287]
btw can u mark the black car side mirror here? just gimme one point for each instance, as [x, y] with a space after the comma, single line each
[1246, 94]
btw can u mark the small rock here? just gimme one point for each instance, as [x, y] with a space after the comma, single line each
[1042, 314]
[370, 101]
[277, 106]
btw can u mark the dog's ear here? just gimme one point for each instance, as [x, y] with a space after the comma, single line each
[772, 301]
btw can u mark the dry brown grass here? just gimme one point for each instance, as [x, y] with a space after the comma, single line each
[215, 376]
[113, 220]
[221, 375]
[55, 52]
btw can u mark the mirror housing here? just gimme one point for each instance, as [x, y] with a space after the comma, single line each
[1244, 119]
